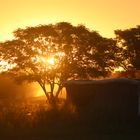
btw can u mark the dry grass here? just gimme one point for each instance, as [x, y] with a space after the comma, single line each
[33, 119]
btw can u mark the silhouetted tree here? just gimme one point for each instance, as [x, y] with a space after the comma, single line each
[52, 54]
[129, 40]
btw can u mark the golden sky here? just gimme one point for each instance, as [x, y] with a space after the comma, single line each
[103, 16]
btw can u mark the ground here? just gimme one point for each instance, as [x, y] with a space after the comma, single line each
[33, 119]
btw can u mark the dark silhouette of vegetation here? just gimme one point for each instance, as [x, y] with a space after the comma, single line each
[129, 40]
[51, 54]
[28, 120]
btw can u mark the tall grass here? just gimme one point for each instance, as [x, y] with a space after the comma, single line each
[36, 120]
[33, 117]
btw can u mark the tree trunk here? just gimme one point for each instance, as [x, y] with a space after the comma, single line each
[44, 89]
[50, 96]
[47, 95]
[52, 89]
[58, 91]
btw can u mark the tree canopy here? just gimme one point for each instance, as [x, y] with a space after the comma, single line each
[130, 40]
[51, 54]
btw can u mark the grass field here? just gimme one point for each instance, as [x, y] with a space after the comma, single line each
[33, 119]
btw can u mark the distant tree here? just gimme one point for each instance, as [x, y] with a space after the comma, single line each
[52, 54]
[129, 40]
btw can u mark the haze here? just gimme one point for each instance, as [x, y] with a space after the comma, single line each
[103, 16]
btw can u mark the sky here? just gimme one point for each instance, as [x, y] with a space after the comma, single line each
[103, 16]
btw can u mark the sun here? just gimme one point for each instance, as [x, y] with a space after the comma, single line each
[48, 60]
[51, 61]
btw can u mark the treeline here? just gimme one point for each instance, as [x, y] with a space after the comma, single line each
[51, 54]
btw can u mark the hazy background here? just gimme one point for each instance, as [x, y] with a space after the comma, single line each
[12, 90]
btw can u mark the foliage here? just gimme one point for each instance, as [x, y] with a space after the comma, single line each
[51, 54]
[129, 39]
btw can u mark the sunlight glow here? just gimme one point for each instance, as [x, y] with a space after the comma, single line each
[4, 66]
[39, 93]
[118, 69]
[51, 61]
